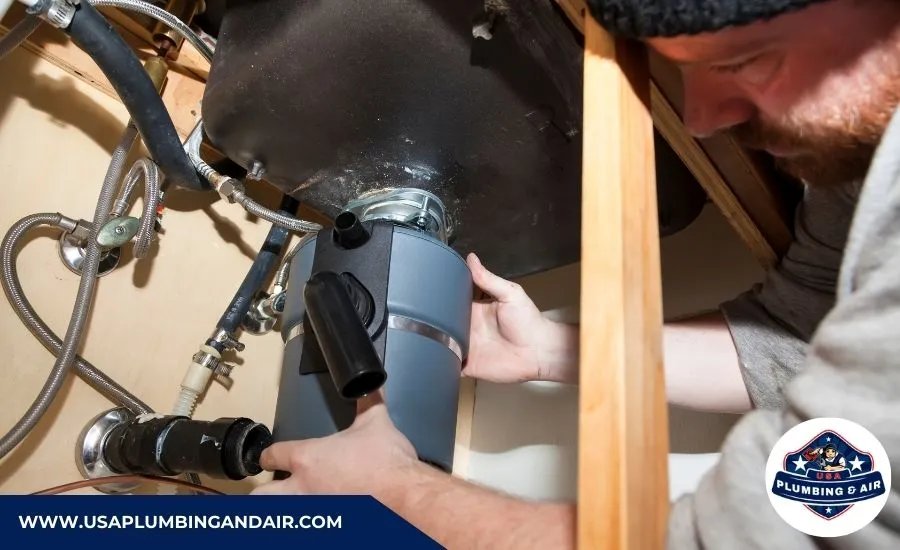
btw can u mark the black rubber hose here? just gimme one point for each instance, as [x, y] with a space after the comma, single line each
[257, 276]
[92, 33]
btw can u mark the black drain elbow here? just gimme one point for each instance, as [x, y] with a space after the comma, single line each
[227, 448]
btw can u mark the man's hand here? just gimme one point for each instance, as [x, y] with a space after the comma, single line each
[511, 341]
[373, 458]
[356, 461]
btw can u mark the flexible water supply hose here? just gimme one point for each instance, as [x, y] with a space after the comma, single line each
[276, 218]
[207, 172]
[29, 317]
[150, 172]
[83, 302]
[284, 271]
[9, 277]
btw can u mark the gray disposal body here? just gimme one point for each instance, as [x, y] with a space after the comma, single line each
[426, 337]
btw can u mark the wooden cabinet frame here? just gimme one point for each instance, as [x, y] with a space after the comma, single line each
[623, 427]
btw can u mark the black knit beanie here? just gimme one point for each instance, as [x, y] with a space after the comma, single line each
[652, 18]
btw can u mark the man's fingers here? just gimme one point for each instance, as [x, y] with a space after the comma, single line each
[277, 457]
[499, 288]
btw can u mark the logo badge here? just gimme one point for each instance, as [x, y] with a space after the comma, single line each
[828, 477]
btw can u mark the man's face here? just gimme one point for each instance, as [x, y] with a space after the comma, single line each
[829, 453]
[816, 88]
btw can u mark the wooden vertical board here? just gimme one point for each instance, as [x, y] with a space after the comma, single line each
[465, 418]
[623, 428]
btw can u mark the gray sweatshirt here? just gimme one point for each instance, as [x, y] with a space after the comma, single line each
[772, 324]
[851, 369]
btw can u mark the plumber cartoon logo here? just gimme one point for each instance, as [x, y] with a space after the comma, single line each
[828, 477]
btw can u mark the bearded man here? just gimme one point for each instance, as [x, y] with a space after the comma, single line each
[815, 83]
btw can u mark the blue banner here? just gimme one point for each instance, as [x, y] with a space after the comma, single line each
[204, 521]
[829, 492]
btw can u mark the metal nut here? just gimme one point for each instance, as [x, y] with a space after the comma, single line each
[257, 171]
[261, 316]
[228, 188]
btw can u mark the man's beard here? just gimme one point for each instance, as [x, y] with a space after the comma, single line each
[832, 141]
[829, 152]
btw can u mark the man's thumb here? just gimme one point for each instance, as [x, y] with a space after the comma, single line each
[501, 289]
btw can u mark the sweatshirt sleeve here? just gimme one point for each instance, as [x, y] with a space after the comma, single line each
[772, 324]
[851, 371]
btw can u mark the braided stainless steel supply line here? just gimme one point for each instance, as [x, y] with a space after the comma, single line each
[282, 220]
[207, 172]
[9, 277]
[284, 272]
[150, 172]
[83, 302]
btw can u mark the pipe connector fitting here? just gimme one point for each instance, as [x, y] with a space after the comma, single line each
[196, 380]
[58, 13]
[73, 247]
[77, 231]
[66, 223]
[82, 231]
[229, 189]
[263, 313]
